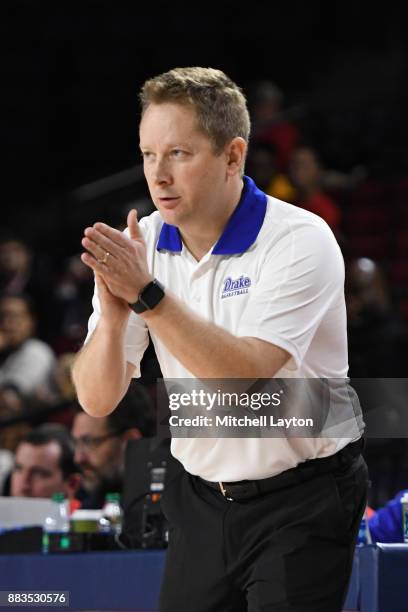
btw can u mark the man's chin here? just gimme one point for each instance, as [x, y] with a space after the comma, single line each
[171, 217]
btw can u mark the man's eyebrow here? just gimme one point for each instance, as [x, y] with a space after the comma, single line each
[172, 145]
[40, 468]
[33, 468]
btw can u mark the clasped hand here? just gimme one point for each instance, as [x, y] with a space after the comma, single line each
[118, 259]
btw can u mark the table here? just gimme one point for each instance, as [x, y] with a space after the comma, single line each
[383, 578]
[130, 580]
[116, 580]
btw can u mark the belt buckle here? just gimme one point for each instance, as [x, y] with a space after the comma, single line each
[224, 492]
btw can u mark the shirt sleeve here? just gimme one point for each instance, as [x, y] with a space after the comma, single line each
[386, 524]
[30, 367]
[136, 335]
[301, 276]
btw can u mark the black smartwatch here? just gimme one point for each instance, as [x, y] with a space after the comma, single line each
[149, 297]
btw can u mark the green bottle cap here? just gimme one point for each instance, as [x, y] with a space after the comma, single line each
[58, 497]
[112, 497]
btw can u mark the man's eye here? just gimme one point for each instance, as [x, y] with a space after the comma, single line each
[146, 154]
[178, 153]
[41, 473]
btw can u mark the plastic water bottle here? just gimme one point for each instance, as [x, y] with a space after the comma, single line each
[364, 535]
[404, 510]
[57, 521]
[111, 520]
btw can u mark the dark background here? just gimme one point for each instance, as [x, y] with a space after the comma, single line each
[71, 73]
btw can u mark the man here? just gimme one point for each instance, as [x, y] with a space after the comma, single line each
[306, 172]
[23, 272]
[387, 523]
[250, 529]
[44, 465]
[100, 443]
[26, 363]
[271, 122]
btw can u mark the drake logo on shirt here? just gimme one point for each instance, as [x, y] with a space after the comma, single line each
[235, 287]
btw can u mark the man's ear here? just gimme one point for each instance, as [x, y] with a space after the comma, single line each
[235, 151]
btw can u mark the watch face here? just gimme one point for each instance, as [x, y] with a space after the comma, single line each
[149, 297]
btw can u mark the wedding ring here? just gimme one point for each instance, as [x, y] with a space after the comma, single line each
[105, 258]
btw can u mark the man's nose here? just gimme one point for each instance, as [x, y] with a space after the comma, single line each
[79, 455]
[161, 172]
[25, 486]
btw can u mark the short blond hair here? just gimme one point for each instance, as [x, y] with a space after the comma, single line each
[219, 103]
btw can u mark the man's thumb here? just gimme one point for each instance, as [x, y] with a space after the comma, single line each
[134, 231]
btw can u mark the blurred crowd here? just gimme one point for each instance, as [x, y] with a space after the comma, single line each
[48, 444]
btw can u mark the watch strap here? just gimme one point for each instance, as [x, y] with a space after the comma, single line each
[149, 297]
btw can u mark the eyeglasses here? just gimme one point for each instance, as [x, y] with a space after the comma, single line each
[92, 442]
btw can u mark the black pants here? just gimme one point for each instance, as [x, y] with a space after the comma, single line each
[289, 550]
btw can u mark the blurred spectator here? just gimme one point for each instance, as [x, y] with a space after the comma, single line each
[100, 443]
[73, 296]
[15, 265]
[66, 408]
[44, 465]
[376, 357]
[306, 172]
[261, 167]
[63, 378]
[6, 463]
[26, 364]
[269, 124]
[335, 180]
[375, 331]
[386, 525]
[20, 273]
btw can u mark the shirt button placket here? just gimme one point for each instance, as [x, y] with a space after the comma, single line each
[195, 285]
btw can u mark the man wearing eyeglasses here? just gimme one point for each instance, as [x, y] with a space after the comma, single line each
[100, 443]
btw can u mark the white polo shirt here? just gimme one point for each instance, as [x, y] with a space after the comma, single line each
[277, 274]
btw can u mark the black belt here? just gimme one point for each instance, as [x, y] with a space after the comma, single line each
[246, 489]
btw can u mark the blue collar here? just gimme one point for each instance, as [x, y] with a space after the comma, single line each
[241, 230]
